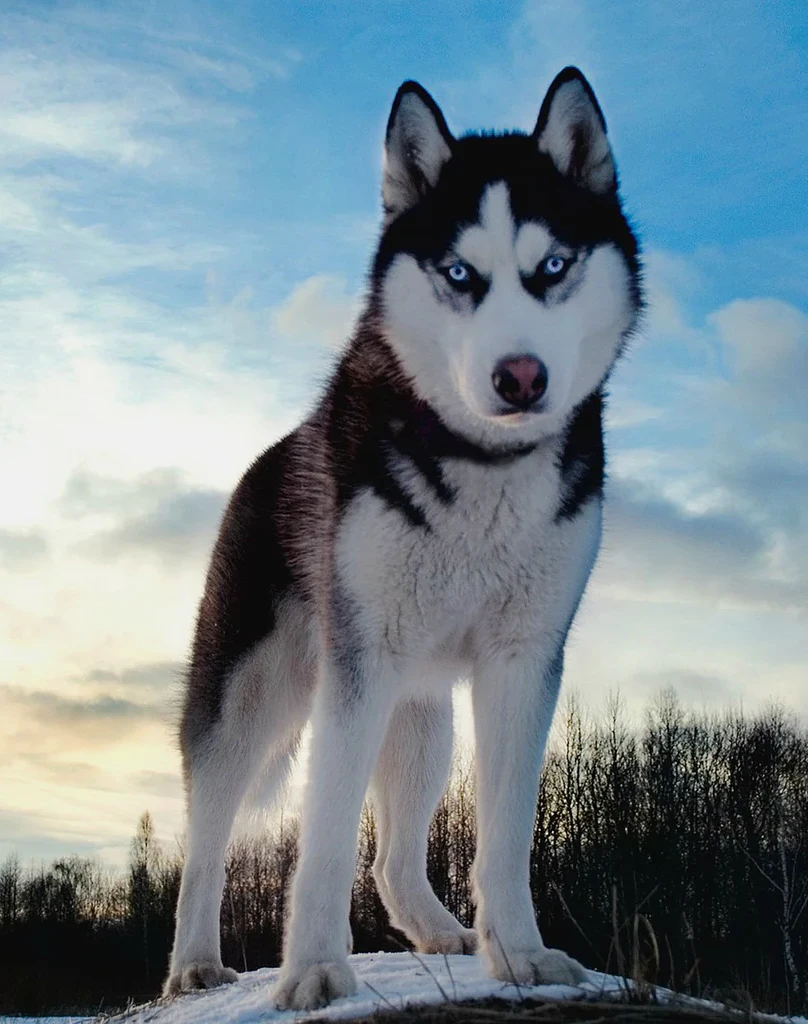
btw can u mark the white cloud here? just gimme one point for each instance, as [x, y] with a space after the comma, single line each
[19, 549]
[320, 310]
[654, 549]
[630, 413]
[671, 283]
[766, 341]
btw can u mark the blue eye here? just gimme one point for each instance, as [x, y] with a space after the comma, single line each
[554, 266]
[458, 274]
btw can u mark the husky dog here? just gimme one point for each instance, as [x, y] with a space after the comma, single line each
[436, 517]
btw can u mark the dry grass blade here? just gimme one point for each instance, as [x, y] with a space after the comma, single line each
[497, 1011]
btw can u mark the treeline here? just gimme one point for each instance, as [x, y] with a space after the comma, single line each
[675, 852]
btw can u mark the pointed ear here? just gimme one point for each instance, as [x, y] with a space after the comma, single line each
[572, 130]
[417, 145]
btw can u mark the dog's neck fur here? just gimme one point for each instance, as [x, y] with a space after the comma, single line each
[371, 390]
[371, 414]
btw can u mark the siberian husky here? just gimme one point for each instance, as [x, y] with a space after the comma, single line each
[436, 517]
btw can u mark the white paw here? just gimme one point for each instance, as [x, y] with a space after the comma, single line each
[464, 940]
[310, 986]
[535, 967]
[198, 975]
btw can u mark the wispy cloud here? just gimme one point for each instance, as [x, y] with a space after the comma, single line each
[78, 86]
[318, 310]
[60, 105]
[19, 549]
[162, 515]
[656, 550]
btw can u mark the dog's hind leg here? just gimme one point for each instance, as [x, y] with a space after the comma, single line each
[217, 788]
[266, 704]
[408, 782]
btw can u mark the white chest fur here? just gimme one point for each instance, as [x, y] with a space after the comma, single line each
[495, 551]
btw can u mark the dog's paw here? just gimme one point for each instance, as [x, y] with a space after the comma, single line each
[464, 940]
[535, 967]
[196, 976]
[310, 986]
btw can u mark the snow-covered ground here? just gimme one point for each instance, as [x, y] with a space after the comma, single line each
[387, 981]
[44, 1020]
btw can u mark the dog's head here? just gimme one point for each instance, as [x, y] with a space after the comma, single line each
[507, 276]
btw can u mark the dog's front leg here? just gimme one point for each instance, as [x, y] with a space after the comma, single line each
[514, 694]
[351, 713]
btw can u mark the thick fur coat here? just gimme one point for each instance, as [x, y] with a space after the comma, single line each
[435, 518]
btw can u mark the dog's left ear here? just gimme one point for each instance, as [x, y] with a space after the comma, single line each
[416, 147]
[571, 129]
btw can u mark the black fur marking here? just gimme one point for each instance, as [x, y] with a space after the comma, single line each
[408, 443]
[477, 285]
[387, 487]
[478, 289]
[371, 411]
[424, 440]
[367, 396]
[443, 443]
[577, 217]
[459, 298]
[248, 576]
[539, 283]
[582, 461]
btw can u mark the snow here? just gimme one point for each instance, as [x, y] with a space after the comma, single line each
[387, 981]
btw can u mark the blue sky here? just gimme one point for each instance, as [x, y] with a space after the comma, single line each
[188, 204]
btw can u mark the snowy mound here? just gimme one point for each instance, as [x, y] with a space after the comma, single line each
[387, 981]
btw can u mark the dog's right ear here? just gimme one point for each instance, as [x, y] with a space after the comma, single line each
[416, 147]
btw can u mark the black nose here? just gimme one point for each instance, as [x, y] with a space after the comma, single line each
[520, 380]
